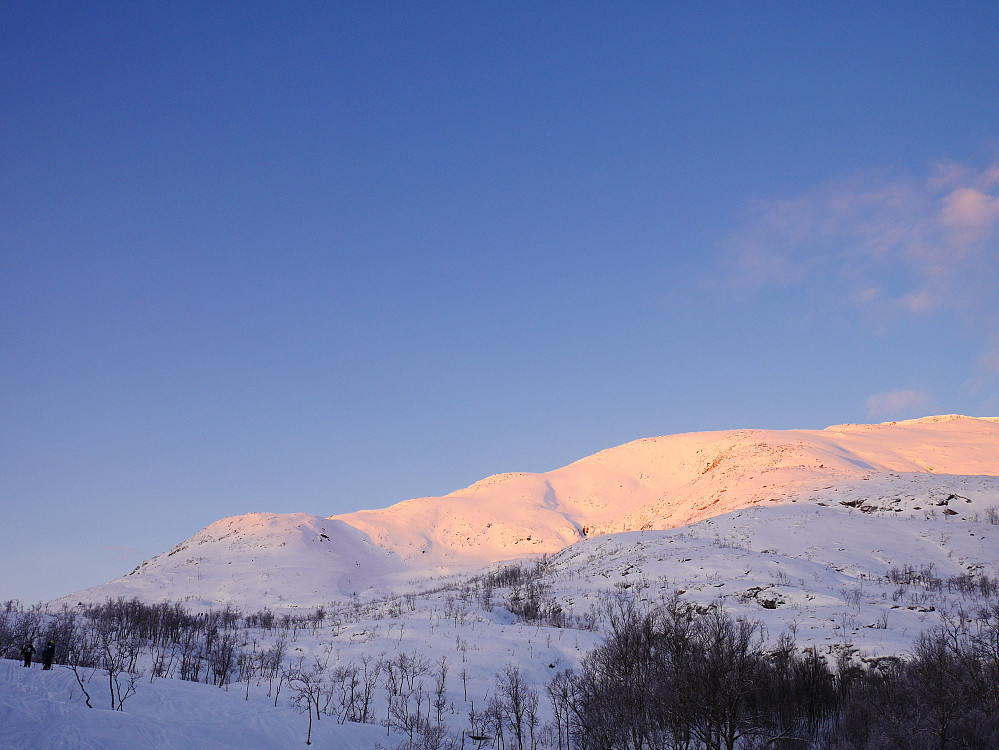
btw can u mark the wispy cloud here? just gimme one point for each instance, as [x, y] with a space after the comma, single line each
[990, 360]
[902, 245]
[982, 381]
[889, 247]
[897, 404]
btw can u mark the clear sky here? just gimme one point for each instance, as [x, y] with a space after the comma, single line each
[329, 256]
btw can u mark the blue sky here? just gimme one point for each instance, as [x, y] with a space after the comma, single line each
[335, 255]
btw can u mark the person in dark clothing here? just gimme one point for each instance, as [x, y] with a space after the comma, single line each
[27, 652]
[48, 653]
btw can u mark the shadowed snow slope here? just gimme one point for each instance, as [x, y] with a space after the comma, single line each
[947, 465]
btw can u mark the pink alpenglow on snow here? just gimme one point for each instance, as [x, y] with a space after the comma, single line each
[260, 559]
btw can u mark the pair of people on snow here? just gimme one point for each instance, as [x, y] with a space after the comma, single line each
[48, 653]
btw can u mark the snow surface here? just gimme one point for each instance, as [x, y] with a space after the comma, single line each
[797, 529]
[44, 710]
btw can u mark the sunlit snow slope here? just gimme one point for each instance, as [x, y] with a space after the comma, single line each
[945, 465]
[664, 482]
[259, 558]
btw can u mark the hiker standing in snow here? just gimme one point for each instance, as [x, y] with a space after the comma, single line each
[27, 652]
[48, 653]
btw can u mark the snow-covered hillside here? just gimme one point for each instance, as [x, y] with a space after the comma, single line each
[286, 559]
[853, 540]
[832, 575]
[937, 466]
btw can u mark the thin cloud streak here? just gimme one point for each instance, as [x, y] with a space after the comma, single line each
[897, 404]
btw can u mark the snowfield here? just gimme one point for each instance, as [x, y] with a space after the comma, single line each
[44, 711]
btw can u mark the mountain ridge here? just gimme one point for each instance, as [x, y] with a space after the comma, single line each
[656, 483]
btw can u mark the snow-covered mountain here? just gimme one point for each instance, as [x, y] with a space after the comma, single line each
[925, 472]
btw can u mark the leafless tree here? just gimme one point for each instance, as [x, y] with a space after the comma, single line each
[517, 700]
[307, 686]
[440, 688]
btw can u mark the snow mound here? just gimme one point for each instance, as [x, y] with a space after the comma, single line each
[258, 560]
